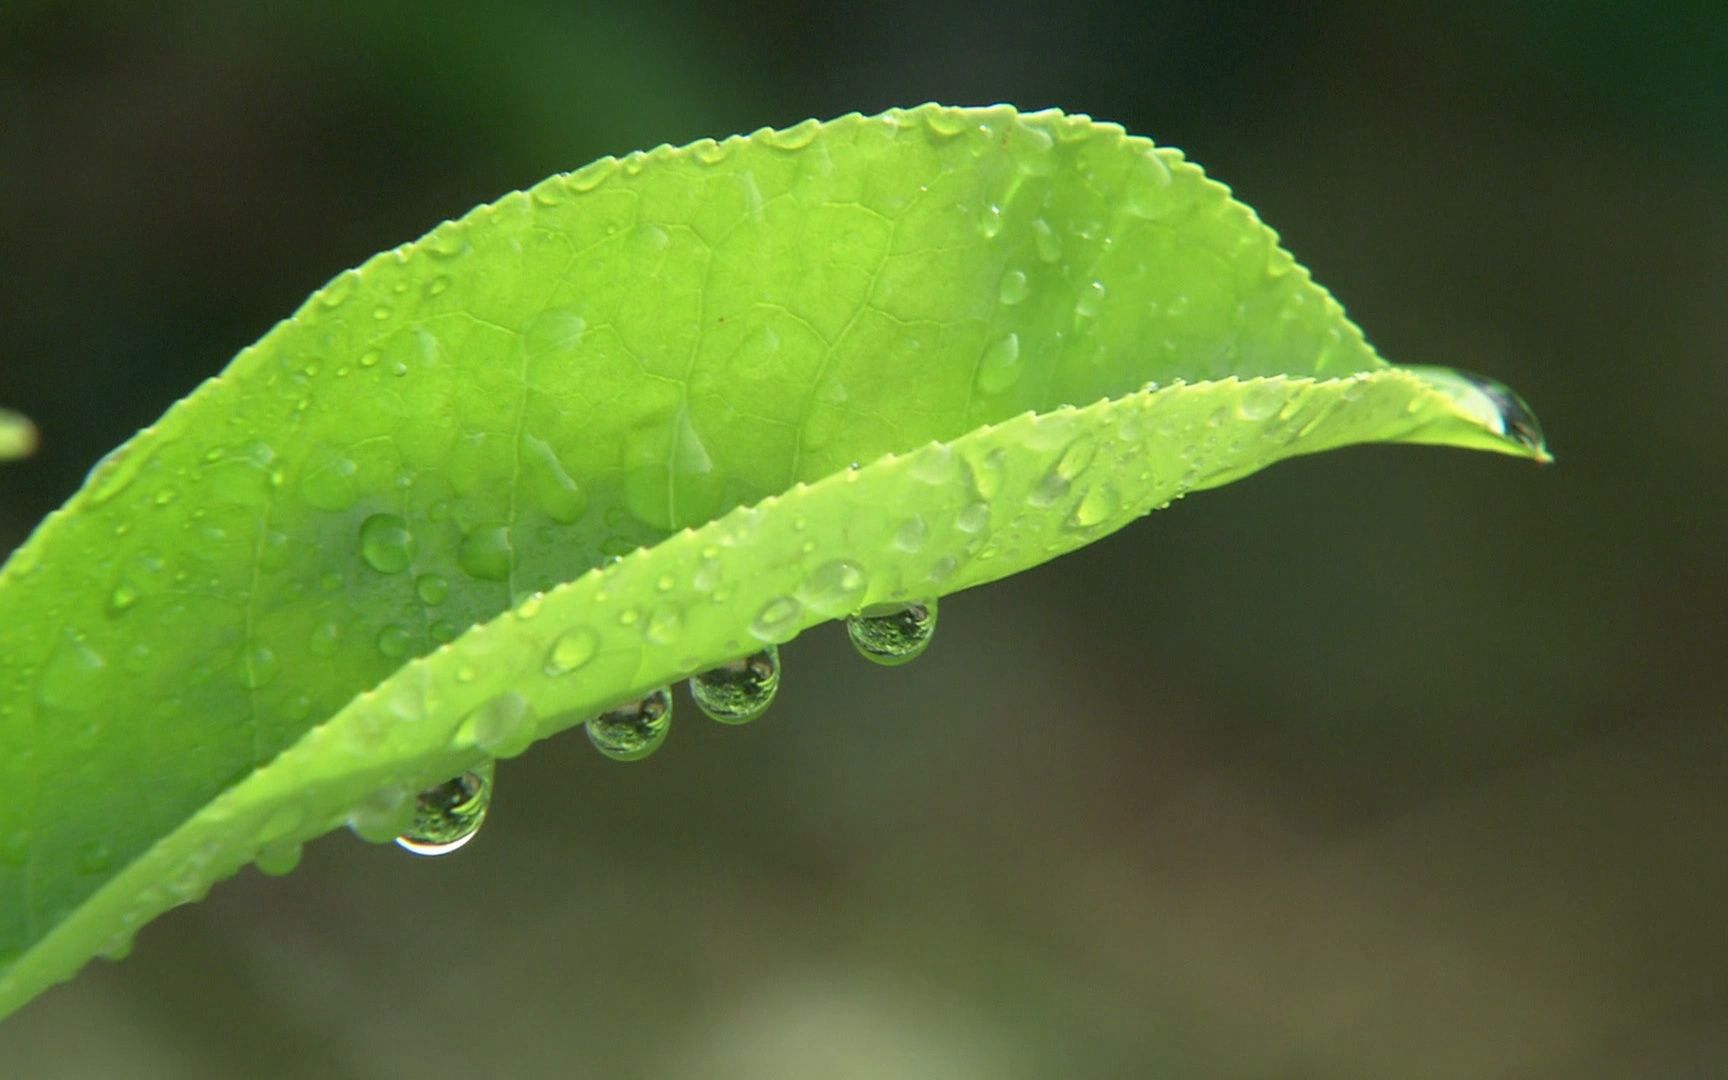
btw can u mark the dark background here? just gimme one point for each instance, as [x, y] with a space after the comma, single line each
[1394, 762]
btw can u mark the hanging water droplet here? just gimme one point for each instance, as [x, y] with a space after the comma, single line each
[892, 635]
[740, 691]
[1517, 421]
[1014, 287]
[635, 729]
[278, 858]
[447, 816]
[386, 544]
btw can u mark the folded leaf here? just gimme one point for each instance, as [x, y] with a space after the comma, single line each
[641, 420]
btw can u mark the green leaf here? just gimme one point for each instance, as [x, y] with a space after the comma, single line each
[17, 435]
[785, 377]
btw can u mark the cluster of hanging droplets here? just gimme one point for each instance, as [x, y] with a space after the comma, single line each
[447, 816]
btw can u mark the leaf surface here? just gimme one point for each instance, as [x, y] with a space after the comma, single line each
[610, 432]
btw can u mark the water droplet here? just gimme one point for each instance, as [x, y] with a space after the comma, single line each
[94, 858]
[1097, 505]
[635, 729]
[740, 691]
[447, 816]
[325, 639]
[990, 221]
[394, 642]
[1014, 287]
[245, 477]
[386, 544]
[1044, 238]
[383, 815]
[260, 666]
[486, 553]
[987, 473]
[572, 651]
[125, 595]
[503, 726]
[279, 858]
[1091, 300]
[553, 331]
[1076, 458]
[664, 625]
[778, 620]
[1515, 419]
[72, 676]
[670, 480]
[912, 534]
[546, 480]
[431, 589]
[892, 635]
[114, 473]
[1261, 399]
[1000, 367]
[1051, 488]
[834, 588]
[332, 485]
[381, 312]
[973, 517]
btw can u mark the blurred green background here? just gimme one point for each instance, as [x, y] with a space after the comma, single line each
[1394, 762]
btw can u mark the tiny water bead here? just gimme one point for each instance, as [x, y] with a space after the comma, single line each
[740, 691]
[635, 729]
[447, 816]
[893, 634]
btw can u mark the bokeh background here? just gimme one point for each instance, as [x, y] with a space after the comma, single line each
[1393, 762]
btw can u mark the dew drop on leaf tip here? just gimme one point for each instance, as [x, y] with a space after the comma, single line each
[893, 634]
[449, 815]
[741, 690]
